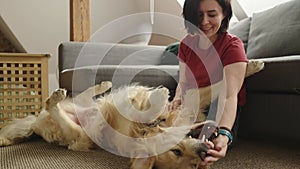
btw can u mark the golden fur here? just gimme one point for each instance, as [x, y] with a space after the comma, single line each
[82, 123]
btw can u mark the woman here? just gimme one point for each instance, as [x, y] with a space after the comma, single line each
[211, 18]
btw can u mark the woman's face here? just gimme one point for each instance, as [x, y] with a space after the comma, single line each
[211, 16]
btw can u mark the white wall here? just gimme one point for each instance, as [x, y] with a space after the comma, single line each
[105, 11]
[118, 14]
[40, 25]
[252, 6]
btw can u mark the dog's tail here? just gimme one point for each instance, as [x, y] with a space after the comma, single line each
[17, 131]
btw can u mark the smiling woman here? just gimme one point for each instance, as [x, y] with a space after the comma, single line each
[207, 55]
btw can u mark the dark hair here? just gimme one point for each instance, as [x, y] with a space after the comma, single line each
[192, 19]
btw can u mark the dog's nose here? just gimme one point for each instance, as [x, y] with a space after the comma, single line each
[202, 150]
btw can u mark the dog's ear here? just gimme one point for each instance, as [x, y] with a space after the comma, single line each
[142, 163]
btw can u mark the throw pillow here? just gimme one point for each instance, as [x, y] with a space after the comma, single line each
[170, 55]
[275, 32]
[241, 29]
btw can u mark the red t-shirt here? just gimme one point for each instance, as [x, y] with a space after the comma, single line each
[205, 66]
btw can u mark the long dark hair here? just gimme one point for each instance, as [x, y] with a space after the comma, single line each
[192, 19]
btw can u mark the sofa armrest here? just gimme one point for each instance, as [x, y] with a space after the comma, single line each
[280, 75]
[271, 112]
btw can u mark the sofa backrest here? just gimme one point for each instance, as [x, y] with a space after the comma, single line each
[82, 65]
[81, 54]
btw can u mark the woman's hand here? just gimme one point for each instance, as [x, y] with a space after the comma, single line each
[219, 150]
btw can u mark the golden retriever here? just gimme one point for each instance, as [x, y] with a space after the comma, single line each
[132, 121]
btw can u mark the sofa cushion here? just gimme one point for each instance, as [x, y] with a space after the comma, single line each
[80, 54]
[79, 79]
[275, 32]
[241, 29]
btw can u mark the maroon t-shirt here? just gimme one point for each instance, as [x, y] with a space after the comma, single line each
[205, 66]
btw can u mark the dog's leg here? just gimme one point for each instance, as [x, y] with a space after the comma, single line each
[86, 97]
[47, 128]
[156, 103]
[158, 100]
[17, 131]
[56, 112]
[74, 134]
[142, 163]
[253, 67]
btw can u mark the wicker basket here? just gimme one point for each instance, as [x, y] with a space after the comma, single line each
[23, 85]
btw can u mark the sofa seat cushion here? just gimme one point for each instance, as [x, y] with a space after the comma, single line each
[275, 32]
[280, 75]
[79, 79]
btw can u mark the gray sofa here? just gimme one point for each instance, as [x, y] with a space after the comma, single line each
[273, 95]
[272, 111]
[85, 64]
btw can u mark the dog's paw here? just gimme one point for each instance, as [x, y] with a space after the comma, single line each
[57, 96]
[254, 66]
[102, 87]
[159, 98]
[159, 95]
[5, 142]
[81, 145]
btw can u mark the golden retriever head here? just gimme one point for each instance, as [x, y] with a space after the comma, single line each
[187, 153]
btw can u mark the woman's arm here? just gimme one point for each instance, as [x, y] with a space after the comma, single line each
[234, 77]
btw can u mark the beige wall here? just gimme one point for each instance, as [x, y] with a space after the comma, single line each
[40, 25]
